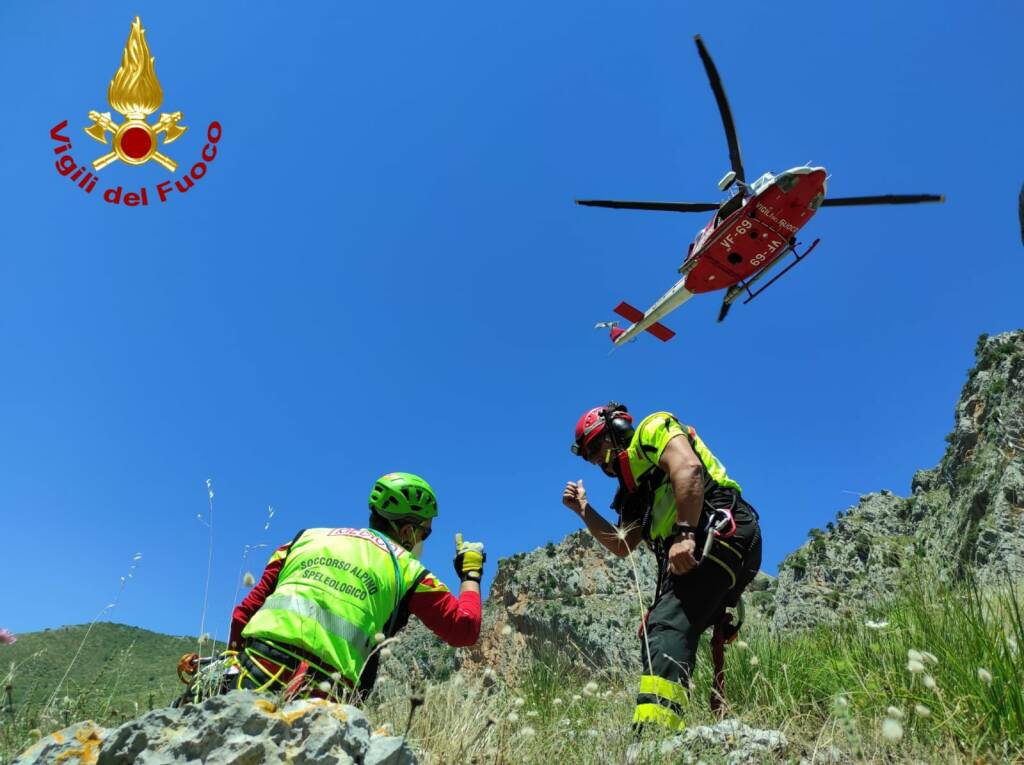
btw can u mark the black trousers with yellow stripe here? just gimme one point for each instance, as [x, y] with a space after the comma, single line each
[687, 606]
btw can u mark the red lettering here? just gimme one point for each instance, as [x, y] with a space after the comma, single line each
[131, 199]
[214, 154]
[66, 167]
[209, 131]
[195, 171]
[183, 188]
[112, 195]
[56, 136]
[163, 189]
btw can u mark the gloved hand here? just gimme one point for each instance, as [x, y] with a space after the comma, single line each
[469, 559]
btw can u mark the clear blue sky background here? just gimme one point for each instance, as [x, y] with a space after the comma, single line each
[383, 269]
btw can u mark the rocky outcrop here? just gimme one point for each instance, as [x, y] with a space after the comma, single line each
[573, 600]
[241, 728]
[965, 516]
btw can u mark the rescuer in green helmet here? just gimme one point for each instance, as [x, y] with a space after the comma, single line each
[675, 497]
[328, 597]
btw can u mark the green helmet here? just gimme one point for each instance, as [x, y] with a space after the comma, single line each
[403, 495]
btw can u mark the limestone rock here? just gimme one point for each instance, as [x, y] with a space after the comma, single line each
[729, 741]
[241, 728]
[965, 516]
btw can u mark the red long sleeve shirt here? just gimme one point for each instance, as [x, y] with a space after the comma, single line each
[456, 620]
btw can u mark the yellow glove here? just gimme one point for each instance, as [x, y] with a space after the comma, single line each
[469, 559]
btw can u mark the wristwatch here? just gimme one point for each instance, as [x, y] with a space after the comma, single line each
[684, 530]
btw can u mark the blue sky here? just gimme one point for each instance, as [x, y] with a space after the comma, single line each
[383, 270]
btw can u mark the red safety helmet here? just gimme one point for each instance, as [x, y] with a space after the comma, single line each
[592, 425]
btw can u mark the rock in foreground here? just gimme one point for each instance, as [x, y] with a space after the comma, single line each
[729, 741]
[241, 728]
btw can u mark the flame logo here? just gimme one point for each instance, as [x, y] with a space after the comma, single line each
[136, 93]
[134, 90]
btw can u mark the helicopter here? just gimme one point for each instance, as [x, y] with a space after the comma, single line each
[750, 234]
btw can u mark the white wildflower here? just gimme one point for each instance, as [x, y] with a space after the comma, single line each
[891, 729]
[929, 682]
[754, 661]
[204, 638]
[590, 688]
[913, 655]
[742, 645]
[895, 713]
[915, 666]
[248, 580]
[875, 625]
[532, 713]
[506, 630]
[576, 697]
[557, 701]
[842, 702]
[930, 657]
[324, 686]
[385, 653]
[336, 676]
[527, 732]
[379, 638]
[985, 676]
[518, 701]
[513, 717]
[921, 710]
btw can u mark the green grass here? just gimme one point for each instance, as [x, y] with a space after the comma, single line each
[829, 687]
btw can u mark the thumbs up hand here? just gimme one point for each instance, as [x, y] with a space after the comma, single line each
[469, 559]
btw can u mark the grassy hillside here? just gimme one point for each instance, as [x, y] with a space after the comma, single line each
[120, 669]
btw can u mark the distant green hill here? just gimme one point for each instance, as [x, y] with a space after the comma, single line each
[119, 667]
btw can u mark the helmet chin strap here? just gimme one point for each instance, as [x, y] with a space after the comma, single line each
[618, 460]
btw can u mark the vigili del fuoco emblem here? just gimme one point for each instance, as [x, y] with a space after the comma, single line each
[135, 93]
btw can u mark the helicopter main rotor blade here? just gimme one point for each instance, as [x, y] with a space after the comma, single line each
[723, 108]
[662, 206]
[882, 199]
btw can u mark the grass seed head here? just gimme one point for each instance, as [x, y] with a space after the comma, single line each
[985, 676]
[894, 712]
[891, 729]
[929, 682]
[921, 710]
[590, 688]
[914, 666]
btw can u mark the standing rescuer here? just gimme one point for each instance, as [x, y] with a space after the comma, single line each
[675, 496]
[326, 597]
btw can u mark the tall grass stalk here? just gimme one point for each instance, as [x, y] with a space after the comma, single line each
[209, 565]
